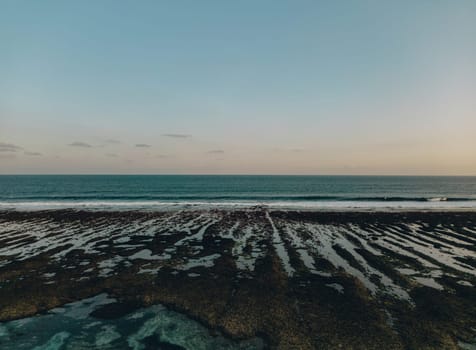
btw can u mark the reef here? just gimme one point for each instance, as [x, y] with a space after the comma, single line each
[297, 279]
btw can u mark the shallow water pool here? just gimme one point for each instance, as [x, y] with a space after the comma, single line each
[73, 327]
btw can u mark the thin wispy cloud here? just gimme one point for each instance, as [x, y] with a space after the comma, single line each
[9, 147]
[177, 136]
[80, 144]
[216, 151]
[34, 154]
[142, 145]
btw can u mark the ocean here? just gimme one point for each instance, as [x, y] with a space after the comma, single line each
[178, 274]
[162, 191]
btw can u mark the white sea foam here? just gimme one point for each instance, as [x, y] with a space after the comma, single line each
[291, 204]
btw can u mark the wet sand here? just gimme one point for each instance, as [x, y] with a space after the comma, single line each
[298, 280]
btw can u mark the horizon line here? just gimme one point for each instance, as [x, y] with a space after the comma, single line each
[238, 174]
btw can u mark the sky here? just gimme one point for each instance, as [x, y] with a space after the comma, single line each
[238, 87]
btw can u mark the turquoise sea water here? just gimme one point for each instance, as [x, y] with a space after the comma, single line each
[136, 191]
[73, 327]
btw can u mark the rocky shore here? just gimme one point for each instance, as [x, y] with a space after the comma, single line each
[297, 280]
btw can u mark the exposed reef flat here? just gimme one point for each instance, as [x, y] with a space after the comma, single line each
[298, 280]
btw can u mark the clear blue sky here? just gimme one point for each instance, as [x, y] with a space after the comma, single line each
[296, 87]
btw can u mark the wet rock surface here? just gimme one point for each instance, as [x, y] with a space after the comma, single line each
[299, 280]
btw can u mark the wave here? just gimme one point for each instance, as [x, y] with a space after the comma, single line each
[438, 203]
[417, 199]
